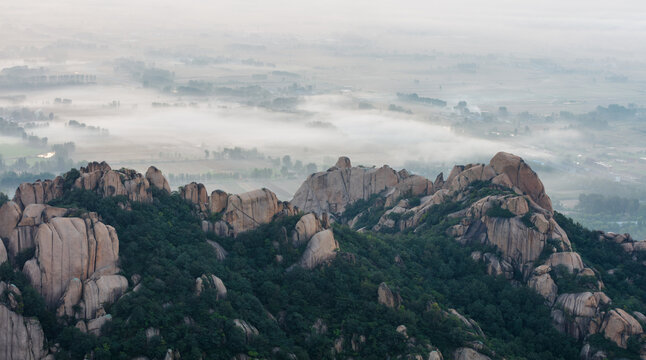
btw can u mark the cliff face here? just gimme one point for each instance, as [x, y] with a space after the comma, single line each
[20, 337]
[331, 191]
[68, 248]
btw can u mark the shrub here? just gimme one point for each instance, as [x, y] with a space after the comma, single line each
[497, 211]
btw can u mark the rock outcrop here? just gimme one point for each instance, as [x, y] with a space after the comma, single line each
[230, 214]
[248, 210]
[39, 192]
[331, 191]
[387, 297]
[520, 244]
[470, 324]
[10, 214]
[495, 266]
[627, 243]
[100, 178]
[568, 260]
[249, 330]
[321, 248]
[541, 281]
[305, 228]
[218, 201]
[618, 326]
[522, 177]
[210, 281]
[157, 179]
[21, 337]
[195, 194]
[68, 248]
[21, 236]
[105, 289]
[579, 314]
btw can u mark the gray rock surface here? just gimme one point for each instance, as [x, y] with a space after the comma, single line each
[20, 337]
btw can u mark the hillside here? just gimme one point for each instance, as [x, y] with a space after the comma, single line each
[363, 263]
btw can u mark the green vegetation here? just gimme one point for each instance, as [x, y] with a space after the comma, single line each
[498, 212]
[527, 220]
[420, 99]
[622, 273]
[164, 244]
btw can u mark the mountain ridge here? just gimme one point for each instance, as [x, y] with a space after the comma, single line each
[500, 207]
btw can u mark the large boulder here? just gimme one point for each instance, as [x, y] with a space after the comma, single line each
[20, 337]
[9, 216]
[196, 194]
[522, 177]
[578, 314]
[218, 201]
[322, 247]
[157, 179]
[94, 326]
[105, 289]
[387, 297]
[470, 174]
[545, 286]
[618, 326]
[248, 210]
[210, 281]
[305, 228]
[569, 260]
[68, 248]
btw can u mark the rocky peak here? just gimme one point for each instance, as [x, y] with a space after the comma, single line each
[333, 190]
[157, 179]
[522, 177]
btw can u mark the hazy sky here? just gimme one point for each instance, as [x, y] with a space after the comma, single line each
[549, 27]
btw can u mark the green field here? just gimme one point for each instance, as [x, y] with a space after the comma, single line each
[12, 151]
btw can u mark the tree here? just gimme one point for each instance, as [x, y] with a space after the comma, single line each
[287, 161]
